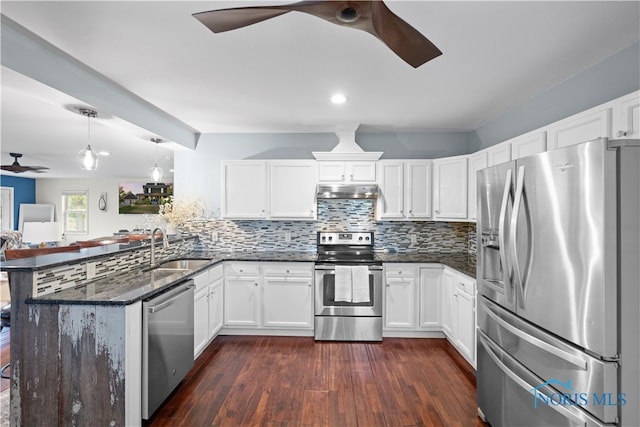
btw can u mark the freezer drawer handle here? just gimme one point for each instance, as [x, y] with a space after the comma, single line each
[574, 360]
[502, 229]
[570, 412]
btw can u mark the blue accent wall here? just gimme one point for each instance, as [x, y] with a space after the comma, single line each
[24, 191]
[609, 79]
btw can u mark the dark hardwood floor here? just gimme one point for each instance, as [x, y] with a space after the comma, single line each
[288, 381]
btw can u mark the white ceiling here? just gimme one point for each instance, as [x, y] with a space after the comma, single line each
[278, 75]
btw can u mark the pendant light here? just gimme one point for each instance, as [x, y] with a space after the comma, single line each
[88, 156]
[156, 171]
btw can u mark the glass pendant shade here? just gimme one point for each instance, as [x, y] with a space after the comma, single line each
[156, 173]
[89, 159]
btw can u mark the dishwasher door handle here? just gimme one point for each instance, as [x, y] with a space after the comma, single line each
[169, 302]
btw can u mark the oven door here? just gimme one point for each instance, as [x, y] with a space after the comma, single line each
[325, 294]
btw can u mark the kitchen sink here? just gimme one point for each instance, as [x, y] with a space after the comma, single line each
[176, 265]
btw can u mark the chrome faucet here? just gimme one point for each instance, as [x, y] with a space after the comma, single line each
[165, 244]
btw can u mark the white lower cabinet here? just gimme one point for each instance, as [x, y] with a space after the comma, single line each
[430, 314]
[268, 296]
[400, 297]
[412, 298]
[207, 308]
[288, 296]
[427, 300]
[459, 312]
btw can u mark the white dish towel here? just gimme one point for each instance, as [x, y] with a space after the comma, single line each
[360, 283]
[343, 290]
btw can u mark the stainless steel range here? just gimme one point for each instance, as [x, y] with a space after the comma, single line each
[348, 278]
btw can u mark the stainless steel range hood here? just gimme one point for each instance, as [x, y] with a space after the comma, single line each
[347, 191]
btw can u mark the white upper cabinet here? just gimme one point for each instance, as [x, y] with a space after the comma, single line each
[292, 188]
[275, 189]
[528, 144]
[591, 124]
[626, 119]
[499, 153]
[477, 161]
[244, 189]
[450, 188]
[347, 172]
[405, 190]
[391, 198]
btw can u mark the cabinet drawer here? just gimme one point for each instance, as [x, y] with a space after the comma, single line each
[288, 270]
[216, 273]
[400, 271]
[242, 269]
[201, 281]
[466, 286]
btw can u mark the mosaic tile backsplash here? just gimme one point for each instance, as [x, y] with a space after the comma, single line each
[354, 215]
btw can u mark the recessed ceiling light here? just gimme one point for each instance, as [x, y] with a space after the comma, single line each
[104, 153]
[338, 98]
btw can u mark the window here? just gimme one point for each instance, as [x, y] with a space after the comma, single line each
[74, 211]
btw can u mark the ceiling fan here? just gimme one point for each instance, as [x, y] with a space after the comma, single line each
[16, 167]
[371, 16]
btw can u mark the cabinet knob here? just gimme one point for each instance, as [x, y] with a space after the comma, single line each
[351, 177]
[411, 212]
[437, 211]
[342, 177]
[622, 133]
[256, 284]
[288, 272]
[388, 286]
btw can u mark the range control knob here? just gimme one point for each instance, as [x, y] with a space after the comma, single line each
[330, 237]
[367, 237]
[360, 238]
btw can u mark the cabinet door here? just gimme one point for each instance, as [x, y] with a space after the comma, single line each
[399, 303]
[418, 190]
[201, 321]
[331, 171]
[244, 186]
[292, 189]
[595, 123]
[465, 333]
[361, 172]
[391, 200]
[430, 299]
[529, 144]
[450, 188]
[477, 161]
[499, 153]
[627, 117]
[216, 289]
[288, 302]
[242, 302]
[447, 302]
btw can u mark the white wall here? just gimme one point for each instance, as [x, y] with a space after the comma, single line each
[101, 223]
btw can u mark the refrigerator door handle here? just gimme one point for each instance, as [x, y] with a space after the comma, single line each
[549, 348]
[565, 411]
[517, 204]
[508, 286]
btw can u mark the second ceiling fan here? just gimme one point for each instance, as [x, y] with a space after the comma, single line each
[373, 17]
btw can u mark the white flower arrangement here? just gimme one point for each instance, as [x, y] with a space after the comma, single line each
[180, 211]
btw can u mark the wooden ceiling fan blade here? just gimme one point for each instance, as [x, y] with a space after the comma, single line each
[223, 20]
[407, 42]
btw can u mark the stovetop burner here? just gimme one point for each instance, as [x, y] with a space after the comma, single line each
[346, 248]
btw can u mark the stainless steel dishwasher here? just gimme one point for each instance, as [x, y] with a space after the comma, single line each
[167, 344]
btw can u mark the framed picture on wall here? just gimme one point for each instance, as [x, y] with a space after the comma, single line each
[142, 198]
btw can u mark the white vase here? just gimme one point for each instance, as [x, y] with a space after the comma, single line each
[172, 229]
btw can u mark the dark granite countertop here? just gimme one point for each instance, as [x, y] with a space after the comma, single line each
[461, 261]
[136, 285]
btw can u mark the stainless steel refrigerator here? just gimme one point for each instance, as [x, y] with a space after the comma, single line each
[558, 287]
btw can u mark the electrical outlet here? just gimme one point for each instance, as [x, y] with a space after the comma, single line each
[91, 270]
[287, 237]
[214, 236]
[414, 239]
